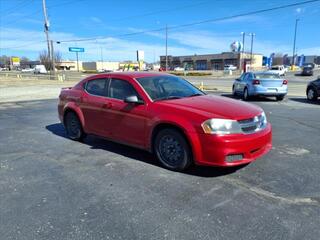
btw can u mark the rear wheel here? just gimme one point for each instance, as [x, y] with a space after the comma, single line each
[172, 150]
[73, 126]
[312, 94]
[245, 94]
[279, 98]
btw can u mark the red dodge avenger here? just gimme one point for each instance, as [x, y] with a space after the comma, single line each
[168, 116]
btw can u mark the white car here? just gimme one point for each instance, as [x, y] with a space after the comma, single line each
[40, 69]
[178, 69]
[230, 67]
[280, 70]
[27, 70]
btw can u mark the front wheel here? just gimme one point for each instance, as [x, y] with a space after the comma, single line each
[234, 93]
[73, 126]
[172, 150]
[312, 94]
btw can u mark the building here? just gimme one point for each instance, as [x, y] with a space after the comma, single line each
[212, 61]
[67, 65]
[95, 66]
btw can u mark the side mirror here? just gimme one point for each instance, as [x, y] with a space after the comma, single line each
[133, 99]
[238, 79]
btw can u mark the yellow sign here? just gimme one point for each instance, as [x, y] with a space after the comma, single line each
[15, 61]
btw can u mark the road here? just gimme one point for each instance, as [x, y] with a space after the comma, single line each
[55, 188]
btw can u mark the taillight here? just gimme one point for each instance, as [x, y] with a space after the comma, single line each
[256, 82]
[285, 82]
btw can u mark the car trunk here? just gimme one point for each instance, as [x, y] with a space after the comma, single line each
[271, 82]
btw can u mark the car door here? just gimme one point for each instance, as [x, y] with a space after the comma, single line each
[94, 101]
[237, 83]
[127, 120]
[245, 81]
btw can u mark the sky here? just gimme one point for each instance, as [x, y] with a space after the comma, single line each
[110, 23]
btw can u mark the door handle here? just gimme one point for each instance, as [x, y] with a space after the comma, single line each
[107, 105]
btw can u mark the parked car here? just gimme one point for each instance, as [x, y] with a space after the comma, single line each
[279, 69]
[168, 116]
[313, 90]
[307, 71]
[28, 70]
[268, 84]
[178, 69]
[230, 67]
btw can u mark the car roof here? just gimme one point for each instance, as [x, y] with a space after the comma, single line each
[133, 74]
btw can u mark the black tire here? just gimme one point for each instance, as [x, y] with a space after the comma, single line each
[234, 93]
[279, 98]
[245, 95]
[172, 150]
[73, 126]
[312, 94]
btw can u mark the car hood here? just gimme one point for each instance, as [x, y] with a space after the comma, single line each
[215, 107]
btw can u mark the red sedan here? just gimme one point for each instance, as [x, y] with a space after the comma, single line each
[168, 116]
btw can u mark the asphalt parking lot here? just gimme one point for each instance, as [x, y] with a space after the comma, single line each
[55, 188]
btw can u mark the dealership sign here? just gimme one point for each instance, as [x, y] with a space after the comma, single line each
[76, 49]
[15, 61]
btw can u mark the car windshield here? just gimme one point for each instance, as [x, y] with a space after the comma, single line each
[265, 76]
[275, 68]
[168, 87]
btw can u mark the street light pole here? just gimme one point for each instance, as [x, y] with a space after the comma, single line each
[252, 35]
[166, 47]
[294, 42]
[242, 55]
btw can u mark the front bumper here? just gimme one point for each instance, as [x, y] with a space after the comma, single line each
[213, 150]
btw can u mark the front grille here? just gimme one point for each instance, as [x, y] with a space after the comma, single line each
[252, 125]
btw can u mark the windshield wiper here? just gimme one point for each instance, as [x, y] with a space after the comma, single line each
[167, 98]
[196, 94]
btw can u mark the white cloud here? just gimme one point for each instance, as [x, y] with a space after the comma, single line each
[298, 10]
[117, 49]
[96, 20]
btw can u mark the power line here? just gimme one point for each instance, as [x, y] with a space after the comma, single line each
[160, 11]
[195, 23]
[37, 12]
[188, 24]
[13, 9]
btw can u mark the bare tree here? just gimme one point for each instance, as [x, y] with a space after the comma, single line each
[46, 61]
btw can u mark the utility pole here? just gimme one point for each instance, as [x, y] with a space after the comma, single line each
[52, 58]
[46, 27]
[294, 42]
[242, 57]
[252, 35]
[166, 47]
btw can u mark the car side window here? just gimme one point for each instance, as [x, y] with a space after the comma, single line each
[97, 87]
[249, 77]
[120, 89]
[243, 75]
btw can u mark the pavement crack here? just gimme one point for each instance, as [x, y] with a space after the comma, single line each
[270, 195]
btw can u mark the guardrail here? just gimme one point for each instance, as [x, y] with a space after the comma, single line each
[31, 76]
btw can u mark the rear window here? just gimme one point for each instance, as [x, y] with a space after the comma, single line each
[265, 76]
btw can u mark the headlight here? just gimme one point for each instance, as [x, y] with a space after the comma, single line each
[263, 119]
[221, 126]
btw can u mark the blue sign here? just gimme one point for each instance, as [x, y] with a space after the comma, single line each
[76, 49]
[301, 60]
